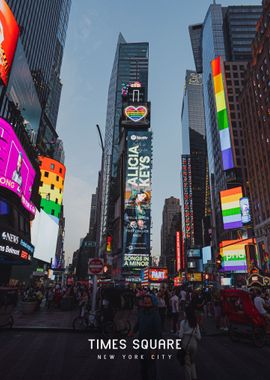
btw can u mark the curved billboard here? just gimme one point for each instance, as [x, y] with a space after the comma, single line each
[16, 172]
[9, 34]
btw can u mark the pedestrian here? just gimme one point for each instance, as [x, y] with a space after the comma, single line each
[260, 305]
[162, 308]
[183, 299]
[190, 335]
[175, 311]
[148, 327]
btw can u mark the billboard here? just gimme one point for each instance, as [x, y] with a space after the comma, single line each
[178, 252]
[52, 185]
[206, 254]
[16, 172]
[187, 195]
[233, 253]
[194, 252]
[137, 209]
[157, 274]
[245, 210]
[230, 206]
[9, 34]
[12, 245]
[194, 277]
[222, 114]
[44, 234]
[136, 261]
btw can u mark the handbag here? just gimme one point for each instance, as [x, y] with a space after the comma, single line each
[181, 354]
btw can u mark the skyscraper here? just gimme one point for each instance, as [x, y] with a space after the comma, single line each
[130, 65]
[194, 160]
[43, 26]
[226, 33]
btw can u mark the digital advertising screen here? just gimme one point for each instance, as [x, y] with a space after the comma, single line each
[245, 210]
[233, 253]
[206, 254]
[16, 172]
[230, 205]
[158, 274]
[9, 34]
[52, 185]
[137, 214]
[194, 252]
[222, 114]
[15, 247]
[187, 195]
[136, 261]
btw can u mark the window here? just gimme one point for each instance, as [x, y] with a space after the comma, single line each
[52, 211]
[60, 170]
[56, 200]
[52, 187]
[52, 166]
[46, 174]
[41, 184]
[57, 178]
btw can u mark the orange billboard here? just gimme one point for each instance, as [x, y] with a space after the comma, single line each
[9, 34]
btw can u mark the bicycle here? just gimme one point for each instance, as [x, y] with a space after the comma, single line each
[93, 321]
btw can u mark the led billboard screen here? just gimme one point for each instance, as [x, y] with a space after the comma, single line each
[230, 205]
[245, 210]
[195, 252]
[187, 194]
[16, 172]
[137, 214]
[136, 261]
[52, 185]
[233, 253]
[44, 233]
[158, 274]
[178, 252]
[9, 34]
[15, 247]
[222, 114]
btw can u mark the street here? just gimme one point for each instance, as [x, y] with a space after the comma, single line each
[52, 355]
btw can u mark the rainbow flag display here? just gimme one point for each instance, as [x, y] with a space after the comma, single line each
[136, 113]
[222, 115]
[233, 255]
[230, 205]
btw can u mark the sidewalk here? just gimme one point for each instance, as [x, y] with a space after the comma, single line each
[44, 319]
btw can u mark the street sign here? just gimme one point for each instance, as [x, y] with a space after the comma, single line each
[95, 266]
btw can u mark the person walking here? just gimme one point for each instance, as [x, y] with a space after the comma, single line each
[190, 335]
[175, 311]
[162, 308]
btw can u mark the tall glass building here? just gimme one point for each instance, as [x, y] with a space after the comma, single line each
[130, 65]
[193, 155]
[43, 26]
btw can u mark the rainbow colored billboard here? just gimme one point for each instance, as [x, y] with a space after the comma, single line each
[233, 255]
[16, 172]
[230, 205]
[9, 34]
[222, 115]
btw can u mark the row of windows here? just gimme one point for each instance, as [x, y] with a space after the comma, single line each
[52, 187]
[46, 174]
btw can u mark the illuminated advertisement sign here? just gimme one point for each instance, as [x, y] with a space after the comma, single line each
[233, 253]
[187, 194]
[158, 274]
[245, 210]
[9, 34]
[178, 252]
[136, 115]
[136, 261]
[52, 185]
[194, 277]
[222, 114]
[194, 253]
[230, 205]
[14, 245]
[16, 171]
[206, 254]
[137, 214]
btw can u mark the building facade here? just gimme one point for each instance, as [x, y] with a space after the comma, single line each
[194, 160]
[255, 111]
[130, 65]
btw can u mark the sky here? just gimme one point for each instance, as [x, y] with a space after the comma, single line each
[92, 35]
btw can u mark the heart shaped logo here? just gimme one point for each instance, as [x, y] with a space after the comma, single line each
[136, 113]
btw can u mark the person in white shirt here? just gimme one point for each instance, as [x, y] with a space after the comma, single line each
[260, 305]
[174, 301]
[190, 335]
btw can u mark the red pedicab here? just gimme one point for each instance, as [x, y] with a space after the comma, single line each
[245, 320]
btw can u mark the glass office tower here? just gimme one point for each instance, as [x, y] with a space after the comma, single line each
[130, 65]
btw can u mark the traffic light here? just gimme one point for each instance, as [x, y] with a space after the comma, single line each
[219, 262]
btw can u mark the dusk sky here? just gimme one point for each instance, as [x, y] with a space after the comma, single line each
[89, 53]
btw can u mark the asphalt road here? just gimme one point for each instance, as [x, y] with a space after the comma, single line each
[30, 355]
